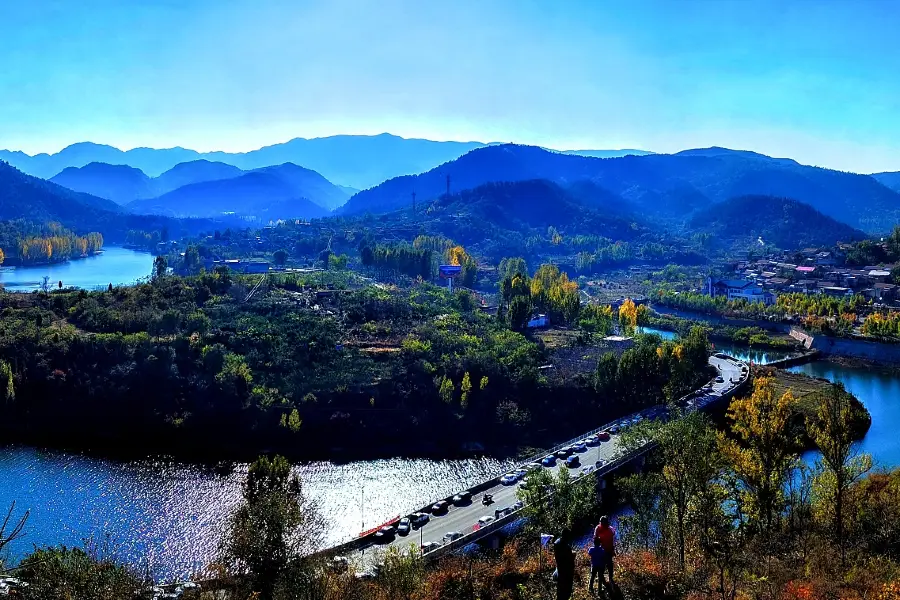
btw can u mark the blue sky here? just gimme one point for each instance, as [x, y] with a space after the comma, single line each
[816, 81]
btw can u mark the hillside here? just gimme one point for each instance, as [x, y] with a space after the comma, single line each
[195, 171]
[502, 219]
[119, 183]
[891, 180]
[254, 194]
[660, 185]
[23, 197]
[780, 221]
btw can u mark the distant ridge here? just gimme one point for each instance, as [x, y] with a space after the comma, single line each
[357, 161]
[661, 186]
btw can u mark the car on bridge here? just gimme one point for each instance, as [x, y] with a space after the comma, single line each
[573, 462]
[430, 547]
[509, 479]
[603, 436]
[439, 508]
[404, 526]
[563, 453]
[451, 536]
[419, 520]
[462, 498]
[549, 461]
[580, 446]
[385, 534]
[486, 520]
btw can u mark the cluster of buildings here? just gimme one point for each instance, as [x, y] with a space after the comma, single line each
[810, 271]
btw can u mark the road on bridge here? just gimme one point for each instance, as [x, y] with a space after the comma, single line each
[464, 519]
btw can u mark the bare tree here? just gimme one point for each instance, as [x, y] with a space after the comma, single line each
[12, 529]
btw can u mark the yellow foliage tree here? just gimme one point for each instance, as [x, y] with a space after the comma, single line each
[628, 315]
[762, 449]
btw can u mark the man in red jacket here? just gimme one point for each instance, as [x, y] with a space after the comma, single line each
[605, 536]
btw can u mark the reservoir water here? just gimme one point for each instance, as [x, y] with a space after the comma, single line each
[169, 515]
[115, 265]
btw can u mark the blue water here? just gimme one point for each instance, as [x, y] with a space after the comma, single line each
[879, 391]
[115, 265]
[745, 353]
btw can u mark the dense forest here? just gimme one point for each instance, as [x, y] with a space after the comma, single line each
[219, 362]
[24, 242]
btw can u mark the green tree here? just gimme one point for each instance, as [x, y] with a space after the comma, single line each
[280, 257]
[557, 502]
[159, 268]
[833, 433]
[66, 573]
[466, 389]
[274, 528]
[519, 313]
[191, 259]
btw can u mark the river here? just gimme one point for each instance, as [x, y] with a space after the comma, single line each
[115, 265]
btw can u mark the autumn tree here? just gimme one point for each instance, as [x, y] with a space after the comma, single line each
[762, 449]
[557, 502]
[831, 429]
[628, 316]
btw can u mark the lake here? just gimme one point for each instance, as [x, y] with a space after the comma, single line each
[170, 515]
[879, 390]
[745, 353]
[115, 265]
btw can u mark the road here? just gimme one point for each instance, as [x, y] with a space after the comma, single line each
[463, 519]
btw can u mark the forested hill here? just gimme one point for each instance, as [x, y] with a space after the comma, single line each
[119, 183]
[780, 221]
[891, 180]
[662, 186]
[287, 191]
[23, 197]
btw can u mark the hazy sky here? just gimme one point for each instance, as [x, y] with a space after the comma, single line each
[816, 81]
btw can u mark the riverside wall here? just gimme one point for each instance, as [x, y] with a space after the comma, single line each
[826, 345]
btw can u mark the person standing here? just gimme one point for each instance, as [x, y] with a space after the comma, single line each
[605, 536]
[598, 563]
[565, 565]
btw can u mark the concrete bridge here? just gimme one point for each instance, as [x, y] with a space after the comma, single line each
[597, 460]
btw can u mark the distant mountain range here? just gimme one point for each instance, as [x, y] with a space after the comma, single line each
[36, 200]
[891, 180]
[285, 191]
[207, 189]
[780, 221]
[663, 186]
[357, 161]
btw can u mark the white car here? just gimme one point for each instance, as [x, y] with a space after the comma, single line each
[486, 520]
[509, 479]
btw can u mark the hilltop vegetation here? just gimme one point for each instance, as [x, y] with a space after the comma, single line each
[782, 222]
[662, 186]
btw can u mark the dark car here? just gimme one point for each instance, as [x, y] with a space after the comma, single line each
[404, 526]
[573, 462]
[385, 534]
[549, 461]
[419, 519]
[439, 508]
[603, 436]
[462, 499]
[563, 453]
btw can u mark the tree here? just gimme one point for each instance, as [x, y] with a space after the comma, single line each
[763, 453]
[510, 267]
[519, 313]
[191, 259]
[280, 257]
[159, 268]
[337, 262]
[7, 384]
[65, 573]
[554, 503]
[11, 527]
[833, 434]
[275, 526]
[628, 315]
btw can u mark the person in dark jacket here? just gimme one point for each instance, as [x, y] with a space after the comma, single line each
[565, 565]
